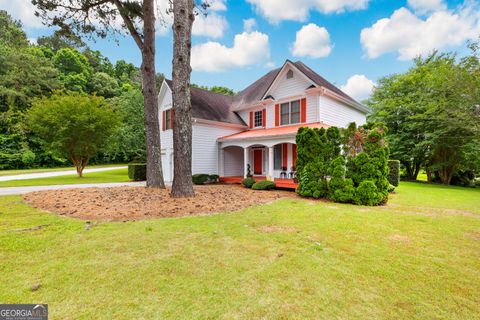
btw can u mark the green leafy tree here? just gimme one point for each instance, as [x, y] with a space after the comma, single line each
[98, 62]
[104, 85]
[73, 126]
[217, 89]
[432, 114]
[74, 68]
[61, 39]
[11, 32]
[130, 140]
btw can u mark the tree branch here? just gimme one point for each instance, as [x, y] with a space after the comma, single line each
[129, 24]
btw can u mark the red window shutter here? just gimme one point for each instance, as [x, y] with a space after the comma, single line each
[171, 118]
[264, 118]
[303, 111]
[251, 119]
[164, 120]
[294, 155]
[277, 115]
[284, 155]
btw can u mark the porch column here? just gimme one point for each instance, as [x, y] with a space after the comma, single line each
[245, 162]
[221, 162]
[270, 164]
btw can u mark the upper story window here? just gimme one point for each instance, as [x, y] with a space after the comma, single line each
[290, 74]
[258, 119]
[168, 119]
[290, 112]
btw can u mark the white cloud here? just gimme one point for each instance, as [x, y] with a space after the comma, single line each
[426, 6]
[358, 87]
[249, 24]
[211, 25]
[22, 10]
[312, 41]
[217, 5]
[249, 48]
[297, 10]
[410, 36]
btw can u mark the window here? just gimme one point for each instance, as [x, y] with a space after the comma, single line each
[284, 113]
[290, 112]
[258, 119]
[295, 111]
[277, 157]
[289, 74]
[168, 120]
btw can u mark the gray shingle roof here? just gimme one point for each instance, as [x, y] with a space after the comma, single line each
[211, 106]
[217, 107]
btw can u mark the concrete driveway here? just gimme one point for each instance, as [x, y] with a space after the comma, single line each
[22, 190]
[26, 176]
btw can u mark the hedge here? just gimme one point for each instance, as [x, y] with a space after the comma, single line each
[394, 172]
[200, 178]
[357, 175]
[137, 171]
[248, 182]
[264, 185]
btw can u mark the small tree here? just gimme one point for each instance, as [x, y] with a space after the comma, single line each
[73, 126]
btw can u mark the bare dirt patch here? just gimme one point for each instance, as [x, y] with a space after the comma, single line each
[277, 229]
[133, 203]
[474, 235]
[399, 238]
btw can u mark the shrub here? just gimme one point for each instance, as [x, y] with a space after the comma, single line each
[200, 178]
[264, 185]
[248, 182]
[249, 173]
[367, 194]
[394, 172]
[137, 171]
[213, 178]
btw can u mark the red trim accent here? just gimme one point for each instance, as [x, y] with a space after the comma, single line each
[164, 120]
[171, 118]
[257, 161]
[251, 119]
[284, 155]
[264, 118]
[303, 111]
[294, 155]
[277, 115]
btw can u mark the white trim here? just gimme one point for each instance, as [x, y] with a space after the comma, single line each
[275, 81]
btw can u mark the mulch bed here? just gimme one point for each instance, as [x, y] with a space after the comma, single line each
[134, 203]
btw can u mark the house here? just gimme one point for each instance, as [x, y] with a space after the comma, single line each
[257, 127]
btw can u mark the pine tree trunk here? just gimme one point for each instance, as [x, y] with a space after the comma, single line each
[183, 18]
[152, 128]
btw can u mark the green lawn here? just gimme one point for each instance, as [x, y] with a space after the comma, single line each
[41, 170]
[117, 175]
[417, 258]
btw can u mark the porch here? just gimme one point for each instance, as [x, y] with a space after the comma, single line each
[280, 182]
[263, 161]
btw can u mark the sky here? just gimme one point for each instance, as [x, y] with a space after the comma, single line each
[352, 43]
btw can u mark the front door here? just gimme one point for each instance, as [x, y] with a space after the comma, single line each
[257, 161]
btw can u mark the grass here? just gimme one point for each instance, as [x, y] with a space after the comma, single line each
[42, 170]
[117, 175]
[325, 260]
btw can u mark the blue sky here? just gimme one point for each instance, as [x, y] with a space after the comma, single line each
[352, 43]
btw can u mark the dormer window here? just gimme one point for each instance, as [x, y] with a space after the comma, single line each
[290, 74]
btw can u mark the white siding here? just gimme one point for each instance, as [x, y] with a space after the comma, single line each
[166, 137]
[285, 88]
[312, 108]
[205, 146]
[335, 113]
[233, 161]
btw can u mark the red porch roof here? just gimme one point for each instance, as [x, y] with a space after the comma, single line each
[271, 132]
